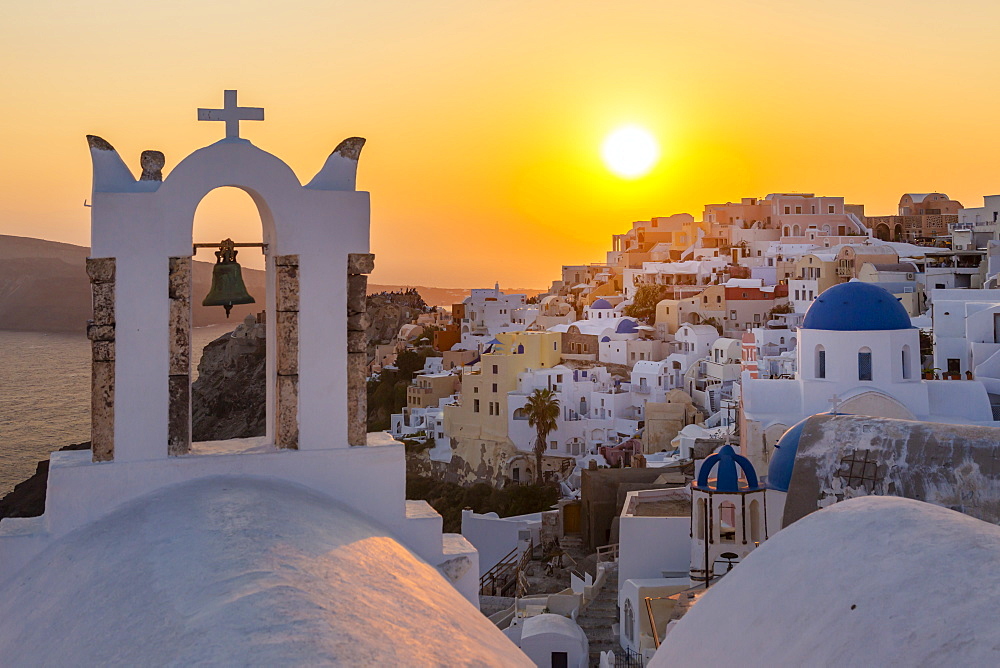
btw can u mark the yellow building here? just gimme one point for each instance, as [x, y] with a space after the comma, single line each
[672, 313]
[477, 425]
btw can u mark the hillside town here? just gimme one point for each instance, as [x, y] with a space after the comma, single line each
[668, 390]
[778, 420]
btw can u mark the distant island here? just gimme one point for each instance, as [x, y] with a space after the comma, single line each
[44, 288]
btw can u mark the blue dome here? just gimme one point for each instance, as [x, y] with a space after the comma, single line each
[727, 478]
[856, 307]
[626, 326]
[601, 303]
[605, 339]
[779, 471]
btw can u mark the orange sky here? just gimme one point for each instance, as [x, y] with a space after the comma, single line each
[484, 119]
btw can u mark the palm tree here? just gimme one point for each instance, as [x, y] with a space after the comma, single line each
[543, 411]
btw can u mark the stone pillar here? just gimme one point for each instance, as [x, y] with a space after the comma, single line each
[101, 332]
[179, 412]
[286, 418]
[358, 265]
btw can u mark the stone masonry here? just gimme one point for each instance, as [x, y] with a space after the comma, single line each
[101, 332]
[358, 265]
[286, 419]
[179, 412]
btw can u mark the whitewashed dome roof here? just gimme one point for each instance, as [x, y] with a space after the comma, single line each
[240, 571]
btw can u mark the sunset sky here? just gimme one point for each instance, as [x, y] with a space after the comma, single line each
[485, 120]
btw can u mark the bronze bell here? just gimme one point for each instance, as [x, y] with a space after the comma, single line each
[227, 280]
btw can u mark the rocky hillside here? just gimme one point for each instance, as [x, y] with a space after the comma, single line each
[388, 311]
[228, 398]
[44, 287]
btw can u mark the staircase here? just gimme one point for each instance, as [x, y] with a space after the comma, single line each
[597, 619]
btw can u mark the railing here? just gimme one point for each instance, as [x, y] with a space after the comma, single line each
[640, 389]
[506, 577]
[626, 658]
[607, 553]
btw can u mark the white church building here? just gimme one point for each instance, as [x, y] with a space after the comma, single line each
[858, 354]
[297, 548]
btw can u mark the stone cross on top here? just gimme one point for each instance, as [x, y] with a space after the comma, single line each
[231, 114]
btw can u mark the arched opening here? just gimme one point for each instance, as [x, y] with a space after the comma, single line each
[795, 230]
[239, 353]
[629, 619]
[727, 522]
[754, 511]
[865, 364]
[897, 233]
[882, 232]
[820, 362]
[699, 520]
[785, 233]
[520, 414]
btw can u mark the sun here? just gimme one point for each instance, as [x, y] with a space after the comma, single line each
[630, 151]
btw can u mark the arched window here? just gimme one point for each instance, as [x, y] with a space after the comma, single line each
[906, 362]
[727, 522]
[865, 364]
[520, 414]
[795, 230]
[629, 620]
[820, 362]
[786, 230]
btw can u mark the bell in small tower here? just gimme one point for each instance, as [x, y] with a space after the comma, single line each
[227, 280]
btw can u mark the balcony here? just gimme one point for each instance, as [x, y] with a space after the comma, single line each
[641, 389]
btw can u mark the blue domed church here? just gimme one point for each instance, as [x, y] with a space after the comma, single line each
[857, 354]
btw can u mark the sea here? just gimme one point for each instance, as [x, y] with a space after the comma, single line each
[45, 395]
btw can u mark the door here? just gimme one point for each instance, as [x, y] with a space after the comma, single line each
[571, 518]
[560, 660]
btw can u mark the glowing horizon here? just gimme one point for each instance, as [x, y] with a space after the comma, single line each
[484, 122]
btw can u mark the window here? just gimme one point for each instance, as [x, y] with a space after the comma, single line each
[788, 210]
[475, 405]
[494, 387]
[718, 299]
[496, 369]
[553, 445]
[906, 362]
[820, 362]
[865, 364]
[830, 208]
[559, 378]
[813, 210]
[756, 317]
[732, 315]
[798, 209]
[475, 389]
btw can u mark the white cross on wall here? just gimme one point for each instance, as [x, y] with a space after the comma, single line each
[231, 114]
[835, 402]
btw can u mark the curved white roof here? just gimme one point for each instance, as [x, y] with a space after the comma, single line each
[550, 623]
[240, 571]
[867, 582]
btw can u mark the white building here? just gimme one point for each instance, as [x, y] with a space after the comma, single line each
[595, 410]
[489, 312]
[966, 329]
[858, 353]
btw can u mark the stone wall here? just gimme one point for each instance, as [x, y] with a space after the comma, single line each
[101, 332]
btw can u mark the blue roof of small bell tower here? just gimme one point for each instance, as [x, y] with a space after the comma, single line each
[727, 478]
